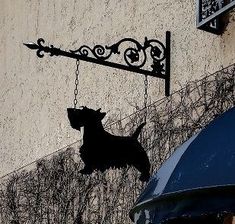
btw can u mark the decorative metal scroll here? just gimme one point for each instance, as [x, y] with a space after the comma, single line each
[209, 13]
[152, 58]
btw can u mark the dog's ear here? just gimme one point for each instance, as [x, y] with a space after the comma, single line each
[102, 115]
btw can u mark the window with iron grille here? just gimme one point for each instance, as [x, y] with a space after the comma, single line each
[210, 14]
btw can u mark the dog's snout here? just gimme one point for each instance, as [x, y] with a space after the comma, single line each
[73, 115]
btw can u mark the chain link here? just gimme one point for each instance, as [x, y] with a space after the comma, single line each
[145, 96]
[75, 101]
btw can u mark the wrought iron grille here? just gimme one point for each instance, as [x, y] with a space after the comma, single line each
[209, 14]
[52, 190]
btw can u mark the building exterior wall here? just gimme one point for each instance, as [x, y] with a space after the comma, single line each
[34, 93]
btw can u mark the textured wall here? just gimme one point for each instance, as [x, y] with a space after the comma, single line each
[34, 93]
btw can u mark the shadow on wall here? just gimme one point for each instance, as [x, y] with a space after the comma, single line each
[54, 191]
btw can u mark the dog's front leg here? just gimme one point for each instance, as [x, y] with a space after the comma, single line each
[85, 158]
[86, 170]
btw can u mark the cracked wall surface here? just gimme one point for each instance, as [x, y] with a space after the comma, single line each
[34, 93]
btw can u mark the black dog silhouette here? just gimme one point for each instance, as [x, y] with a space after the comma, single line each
[102, 150]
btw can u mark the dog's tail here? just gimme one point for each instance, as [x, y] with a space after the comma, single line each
[137, 131]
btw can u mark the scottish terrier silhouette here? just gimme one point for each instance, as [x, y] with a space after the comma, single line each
[102, 150]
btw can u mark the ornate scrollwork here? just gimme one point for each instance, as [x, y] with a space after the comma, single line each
[134, 56]
[98, 52]
[40, 48]
[152, 58]
[158, 54]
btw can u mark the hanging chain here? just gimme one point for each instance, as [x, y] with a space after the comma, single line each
[145, 96]
[75, 101]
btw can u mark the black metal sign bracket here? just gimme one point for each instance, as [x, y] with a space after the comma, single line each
[151, 59]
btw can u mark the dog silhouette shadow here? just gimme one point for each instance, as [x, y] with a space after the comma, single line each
[102, 150]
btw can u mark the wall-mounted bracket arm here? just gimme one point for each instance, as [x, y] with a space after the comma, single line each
[151, 59]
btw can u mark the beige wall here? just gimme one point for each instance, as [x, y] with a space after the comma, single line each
[34, 93]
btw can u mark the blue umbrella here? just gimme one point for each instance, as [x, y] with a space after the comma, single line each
[198, 180]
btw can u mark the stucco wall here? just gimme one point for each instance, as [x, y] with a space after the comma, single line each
[34, 93]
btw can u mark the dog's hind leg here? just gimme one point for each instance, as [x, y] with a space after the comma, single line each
[86, 170]
[143, 166]
[144, 177]
[84, 154]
